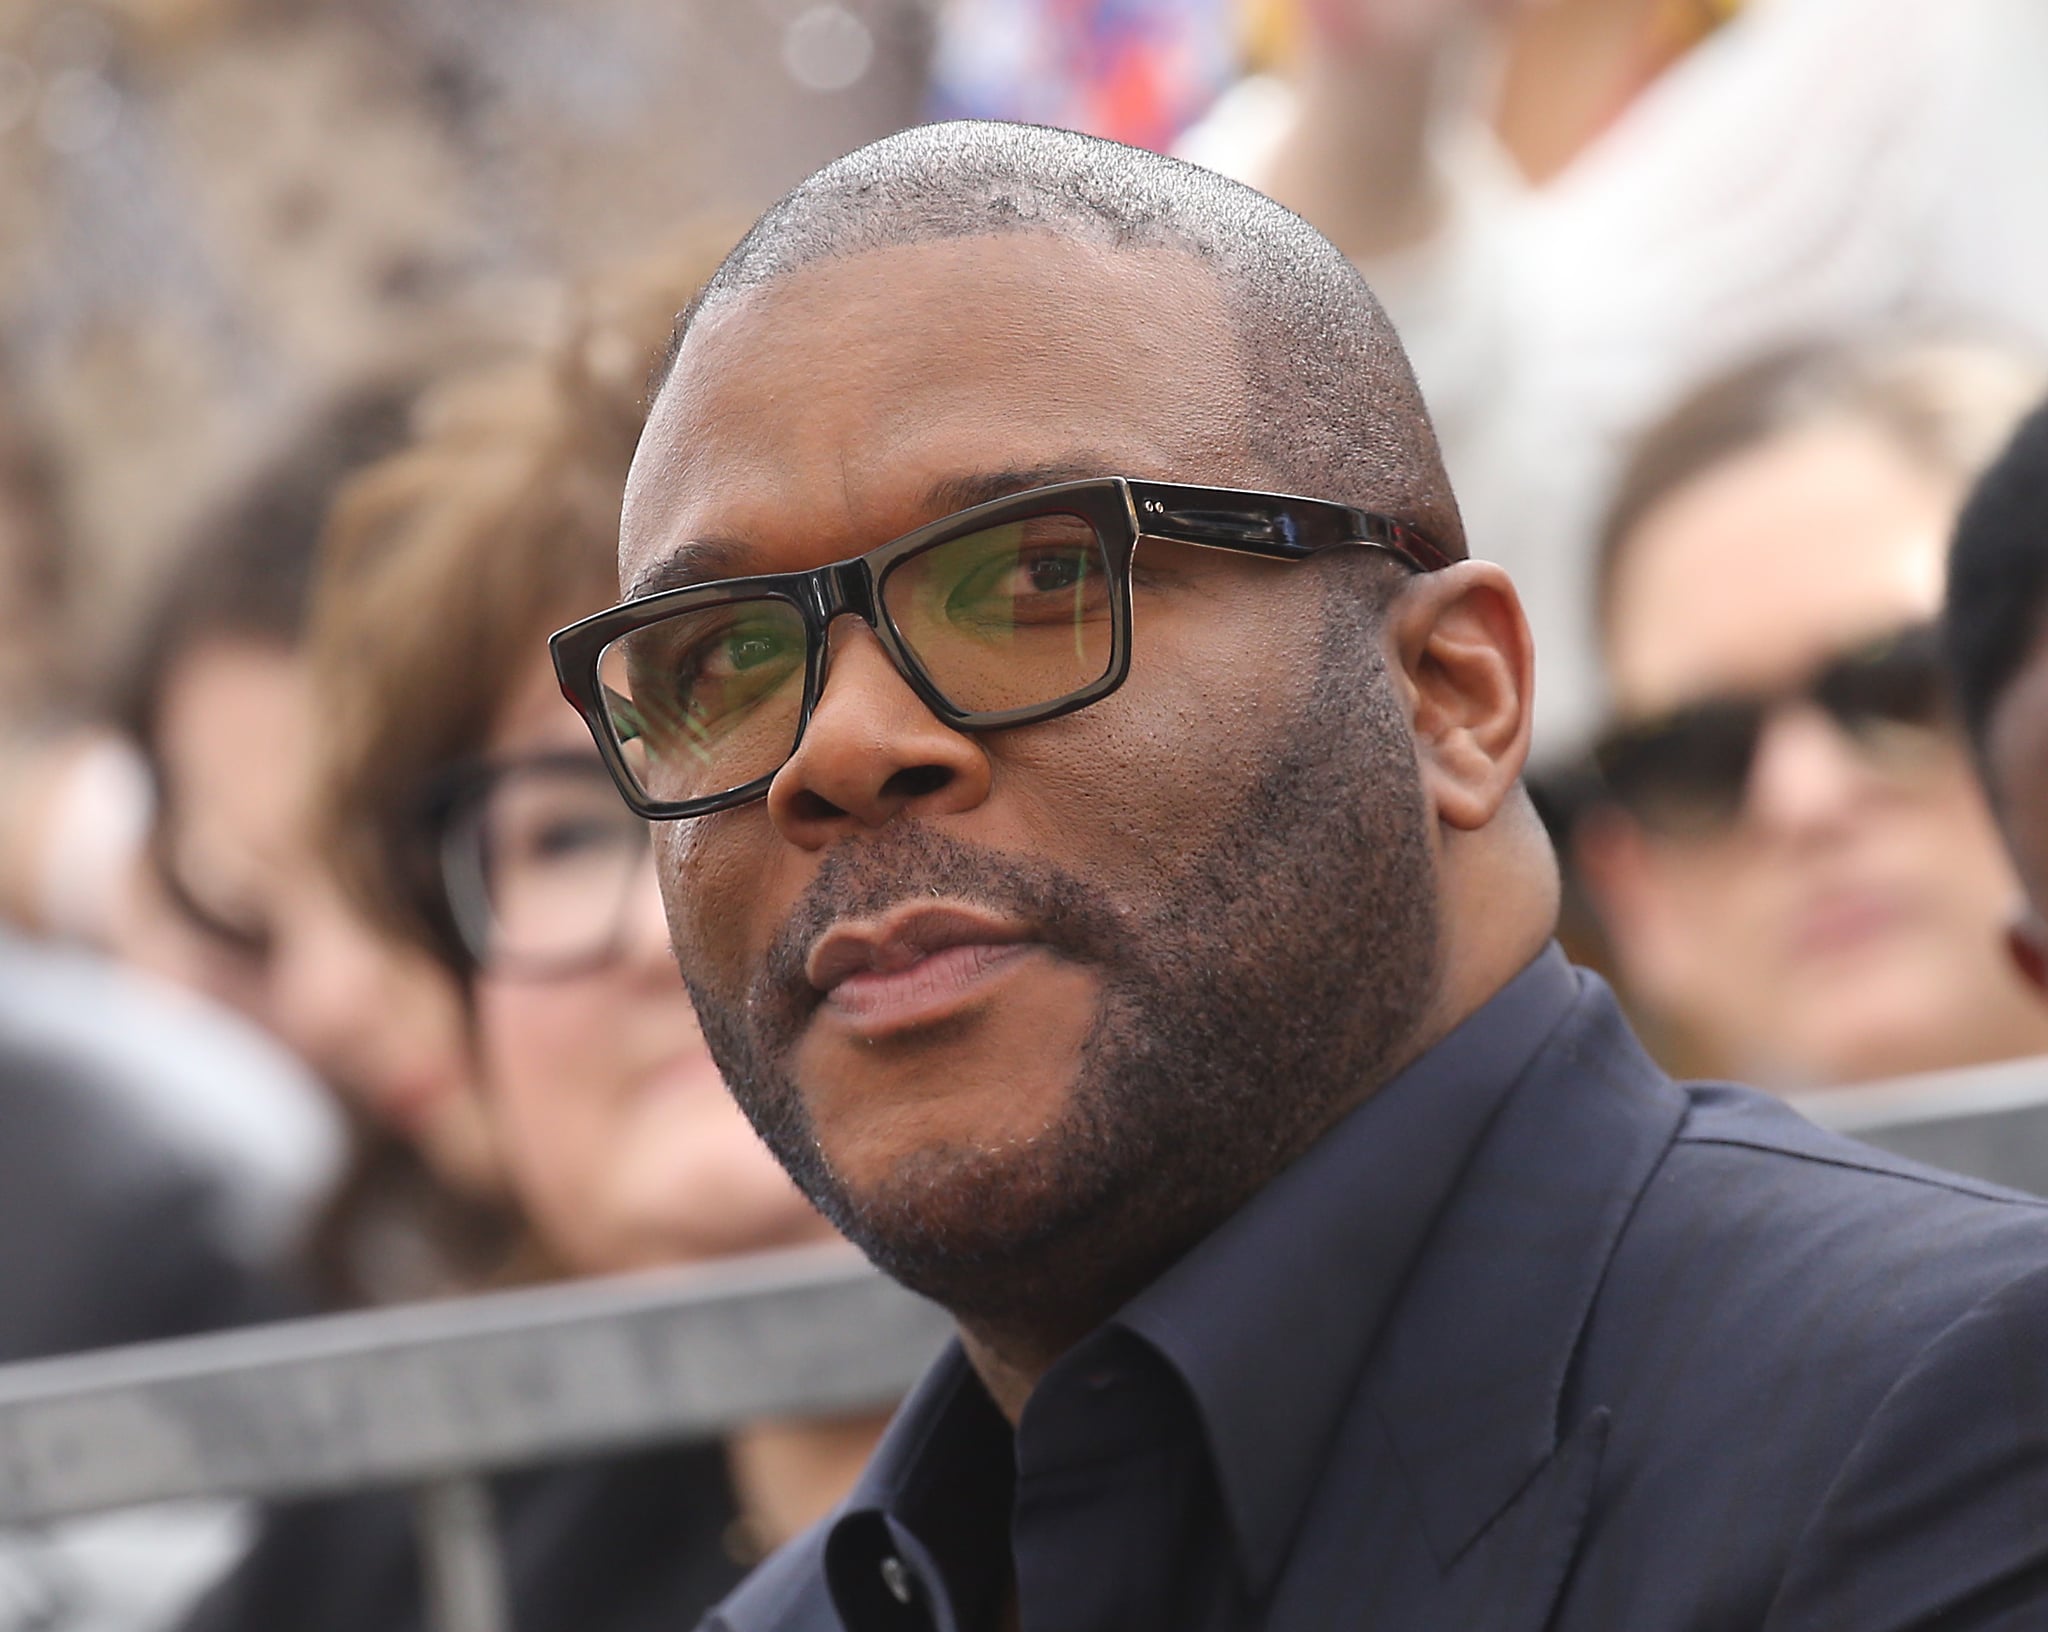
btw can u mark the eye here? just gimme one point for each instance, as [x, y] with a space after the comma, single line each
[1026, 585]
[572, 835]
[1050, 573]
[748, 649]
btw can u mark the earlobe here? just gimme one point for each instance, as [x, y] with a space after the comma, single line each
[1462, 644]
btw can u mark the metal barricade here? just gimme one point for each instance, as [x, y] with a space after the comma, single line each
[1990, 1122]
[434, 1396]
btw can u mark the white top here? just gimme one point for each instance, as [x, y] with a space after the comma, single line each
[1817, 167]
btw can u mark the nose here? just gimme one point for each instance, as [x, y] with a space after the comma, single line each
[1808, 778]
[871, 752]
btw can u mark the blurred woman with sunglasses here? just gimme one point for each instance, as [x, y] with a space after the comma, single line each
[1789, 855]
[466, 811]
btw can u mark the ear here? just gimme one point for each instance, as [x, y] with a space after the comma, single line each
[1461, 643]
[2026, 943]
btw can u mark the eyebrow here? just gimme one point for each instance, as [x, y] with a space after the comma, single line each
[963, 492]
[705, 560]
[694, 561]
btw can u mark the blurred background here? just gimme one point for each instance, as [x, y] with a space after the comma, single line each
[324, 329]
[213, 210]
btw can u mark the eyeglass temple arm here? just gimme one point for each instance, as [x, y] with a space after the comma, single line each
[1286, 529]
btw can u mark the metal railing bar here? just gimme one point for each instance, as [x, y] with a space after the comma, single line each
[2011, 1086]
[445, 1391]
[404, 1396]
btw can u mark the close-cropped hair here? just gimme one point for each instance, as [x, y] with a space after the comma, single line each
[1998, 577]
[446, 566]
[1945, 403]
[1330, 404]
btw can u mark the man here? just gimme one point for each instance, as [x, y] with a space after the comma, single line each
[1129, 927]
[1997, 648]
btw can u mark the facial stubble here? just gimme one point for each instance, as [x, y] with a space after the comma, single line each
[1256, 992]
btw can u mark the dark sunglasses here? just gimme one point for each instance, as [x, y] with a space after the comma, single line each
[1005, 614]
[1686, 773]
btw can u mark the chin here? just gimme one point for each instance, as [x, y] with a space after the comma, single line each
[994, 1232]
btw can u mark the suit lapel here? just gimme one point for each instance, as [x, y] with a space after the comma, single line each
[1477, 1489]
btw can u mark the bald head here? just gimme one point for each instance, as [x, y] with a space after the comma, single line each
[1329, 402]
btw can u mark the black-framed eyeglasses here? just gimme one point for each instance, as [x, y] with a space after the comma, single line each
[1686, 773]
[1012, 612]
[538, 862]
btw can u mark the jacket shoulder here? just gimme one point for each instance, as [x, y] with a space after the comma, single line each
[1738, 1135]
[1762, 1213]
[1775, 1287]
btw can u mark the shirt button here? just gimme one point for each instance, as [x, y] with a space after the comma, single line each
[897, 1578]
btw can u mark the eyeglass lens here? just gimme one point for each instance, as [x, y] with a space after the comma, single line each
[1012, 616]
[555, 857]
[1689, 772]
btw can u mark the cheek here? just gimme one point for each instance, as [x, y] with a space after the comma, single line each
[1714, 894]
[1954, 830]
[717, 889]
[1162, 762]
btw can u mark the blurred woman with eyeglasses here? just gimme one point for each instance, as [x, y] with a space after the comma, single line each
[1788, 853]
[465, 811]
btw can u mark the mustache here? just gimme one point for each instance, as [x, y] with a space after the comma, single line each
[910, 861]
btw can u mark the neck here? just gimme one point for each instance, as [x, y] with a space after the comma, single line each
[1499, 898]
[1008, 1365]
[1057, 1303]
[1011, 1350]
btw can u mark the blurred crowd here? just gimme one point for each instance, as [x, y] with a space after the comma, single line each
[332, 969]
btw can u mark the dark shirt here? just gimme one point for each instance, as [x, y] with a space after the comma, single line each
[1533, 1339]
[1160, 1468]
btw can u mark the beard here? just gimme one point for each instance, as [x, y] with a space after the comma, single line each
[1254, 989]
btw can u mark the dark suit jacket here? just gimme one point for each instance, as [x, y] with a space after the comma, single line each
[1669, 1360]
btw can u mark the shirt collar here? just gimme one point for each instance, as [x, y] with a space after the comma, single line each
[1270, 1319]
[942, 1473]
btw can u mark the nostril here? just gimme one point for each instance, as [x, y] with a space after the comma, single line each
[915, 781]
[807, 805]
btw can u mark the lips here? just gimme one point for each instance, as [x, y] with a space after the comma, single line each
[1847, 921]
[913, 967]
[903, 939]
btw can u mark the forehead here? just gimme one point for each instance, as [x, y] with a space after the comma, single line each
[837, 398]
[1781, 557]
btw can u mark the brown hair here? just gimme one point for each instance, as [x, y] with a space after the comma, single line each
[245, 569]
[445, 566]
[1946, 403]
[442, 567]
